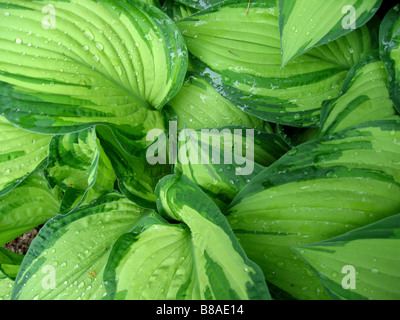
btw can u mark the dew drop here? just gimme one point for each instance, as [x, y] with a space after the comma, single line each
[99, 46]
[297, 117]
[89, 35]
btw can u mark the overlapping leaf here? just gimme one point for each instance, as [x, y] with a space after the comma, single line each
[177, 11]
[371, 253]
[21, 152]
[137, 178]
[10, 263]
[67, 258]
[390, 51]
[364, 97]
[73, 165]
[307, 24]
[199, 5]
[318, 190]
[222, 161]
[239, 54]
[88, 62]
[198, 106]
[200, 259]
[26, 207]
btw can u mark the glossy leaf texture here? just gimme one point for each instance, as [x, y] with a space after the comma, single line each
[239, 54]
[137, 178]
[21, 153]
[199, 106]
[389, 39]
[306, 24]
[360, 265]
[318, 190]
[197, 259]
[66, 260]
[74, 166]
[6, 285]
[222, 161]
[88, 62]
[364, 97]
[29, 205]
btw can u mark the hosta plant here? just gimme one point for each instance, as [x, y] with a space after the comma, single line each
[200, 150]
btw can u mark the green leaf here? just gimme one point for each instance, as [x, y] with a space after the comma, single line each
[199, 106]
[104, 62]
[21, 152]
[105, 178]
[152, 2]
[137, 178]
[74, 164]
[239, 54]
[305, 24]
[364, 97]
[373, 253]
[318, 190]
[215, 247]
[222, 161]
[390, 51]
[177, 11]
[29, 205]
[199, 5]
[6, 286]
[7, 257]
[10, 263]
[72, 250]
[199, 259]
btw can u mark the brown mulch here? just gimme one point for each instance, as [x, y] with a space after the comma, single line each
[22, 243]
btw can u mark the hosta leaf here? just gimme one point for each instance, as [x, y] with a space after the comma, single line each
[305, 24]
[73, 165]
[21, 152]
[98, 62]
[318, 190]
[154, 262]
[67, 258]
[177, 11]
[200, 259]
[239, 54]
[217, 253]
[10, 263]
[199, 106]
[222, 161]
[199, 5]
[6, 286]
[364, 97]
[29, 205]
[105, 178]
[152, 2]
[390, 51]
[137, 178]
[373, 254]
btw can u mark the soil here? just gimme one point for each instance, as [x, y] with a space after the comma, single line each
[22, 243]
